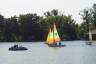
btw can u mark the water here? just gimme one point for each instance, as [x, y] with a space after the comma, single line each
[76, 52]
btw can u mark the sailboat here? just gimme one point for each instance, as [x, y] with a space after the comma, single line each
[53, 39]
[90, 38]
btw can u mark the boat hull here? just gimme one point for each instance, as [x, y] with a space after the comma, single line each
[89, 43]
[56, 45]
[18, 49]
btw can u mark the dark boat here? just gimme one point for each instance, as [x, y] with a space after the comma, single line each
[17, 48]
[89, 43]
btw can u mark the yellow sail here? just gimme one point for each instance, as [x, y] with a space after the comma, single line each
[48, 38]
[51, 40]
[90, 37]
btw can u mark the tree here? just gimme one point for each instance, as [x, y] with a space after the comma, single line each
[11, 29]
[29, 27]
[1, 27]
[94, 15]
[54, 12]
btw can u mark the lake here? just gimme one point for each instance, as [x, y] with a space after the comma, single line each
[76, 52]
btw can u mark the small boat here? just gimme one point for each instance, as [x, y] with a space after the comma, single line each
[17, 48]
[53, 39]
[90, 38]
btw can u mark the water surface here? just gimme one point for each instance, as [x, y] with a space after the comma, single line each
[76, 52]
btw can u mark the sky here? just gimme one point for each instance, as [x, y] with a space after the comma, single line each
[10, 8]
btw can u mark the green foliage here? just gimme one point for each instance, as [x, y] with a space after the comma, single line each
[89, 20]
[66, 26]
[31, 27]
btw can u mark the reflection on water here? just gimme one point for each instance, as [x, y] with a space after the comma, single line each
[76, 52]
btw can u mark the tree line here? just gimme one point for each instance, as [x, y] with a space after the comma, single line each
[32, 27]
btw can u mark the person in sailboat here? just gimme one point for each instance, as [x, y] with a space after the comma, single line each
[59, 43]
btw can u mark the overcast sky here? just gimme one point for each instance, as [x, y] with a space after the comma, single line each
[10, 8]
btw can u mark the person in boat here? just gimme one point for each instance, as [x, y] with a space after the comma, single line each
[59, 43]
[90, 42]
[15, 46]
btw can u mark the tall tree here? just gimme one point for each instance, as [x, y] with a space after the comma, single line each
[1, 27]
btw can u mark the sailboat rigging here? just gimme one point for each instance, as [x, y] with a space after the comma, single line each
[90, 38]
[53, 38]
